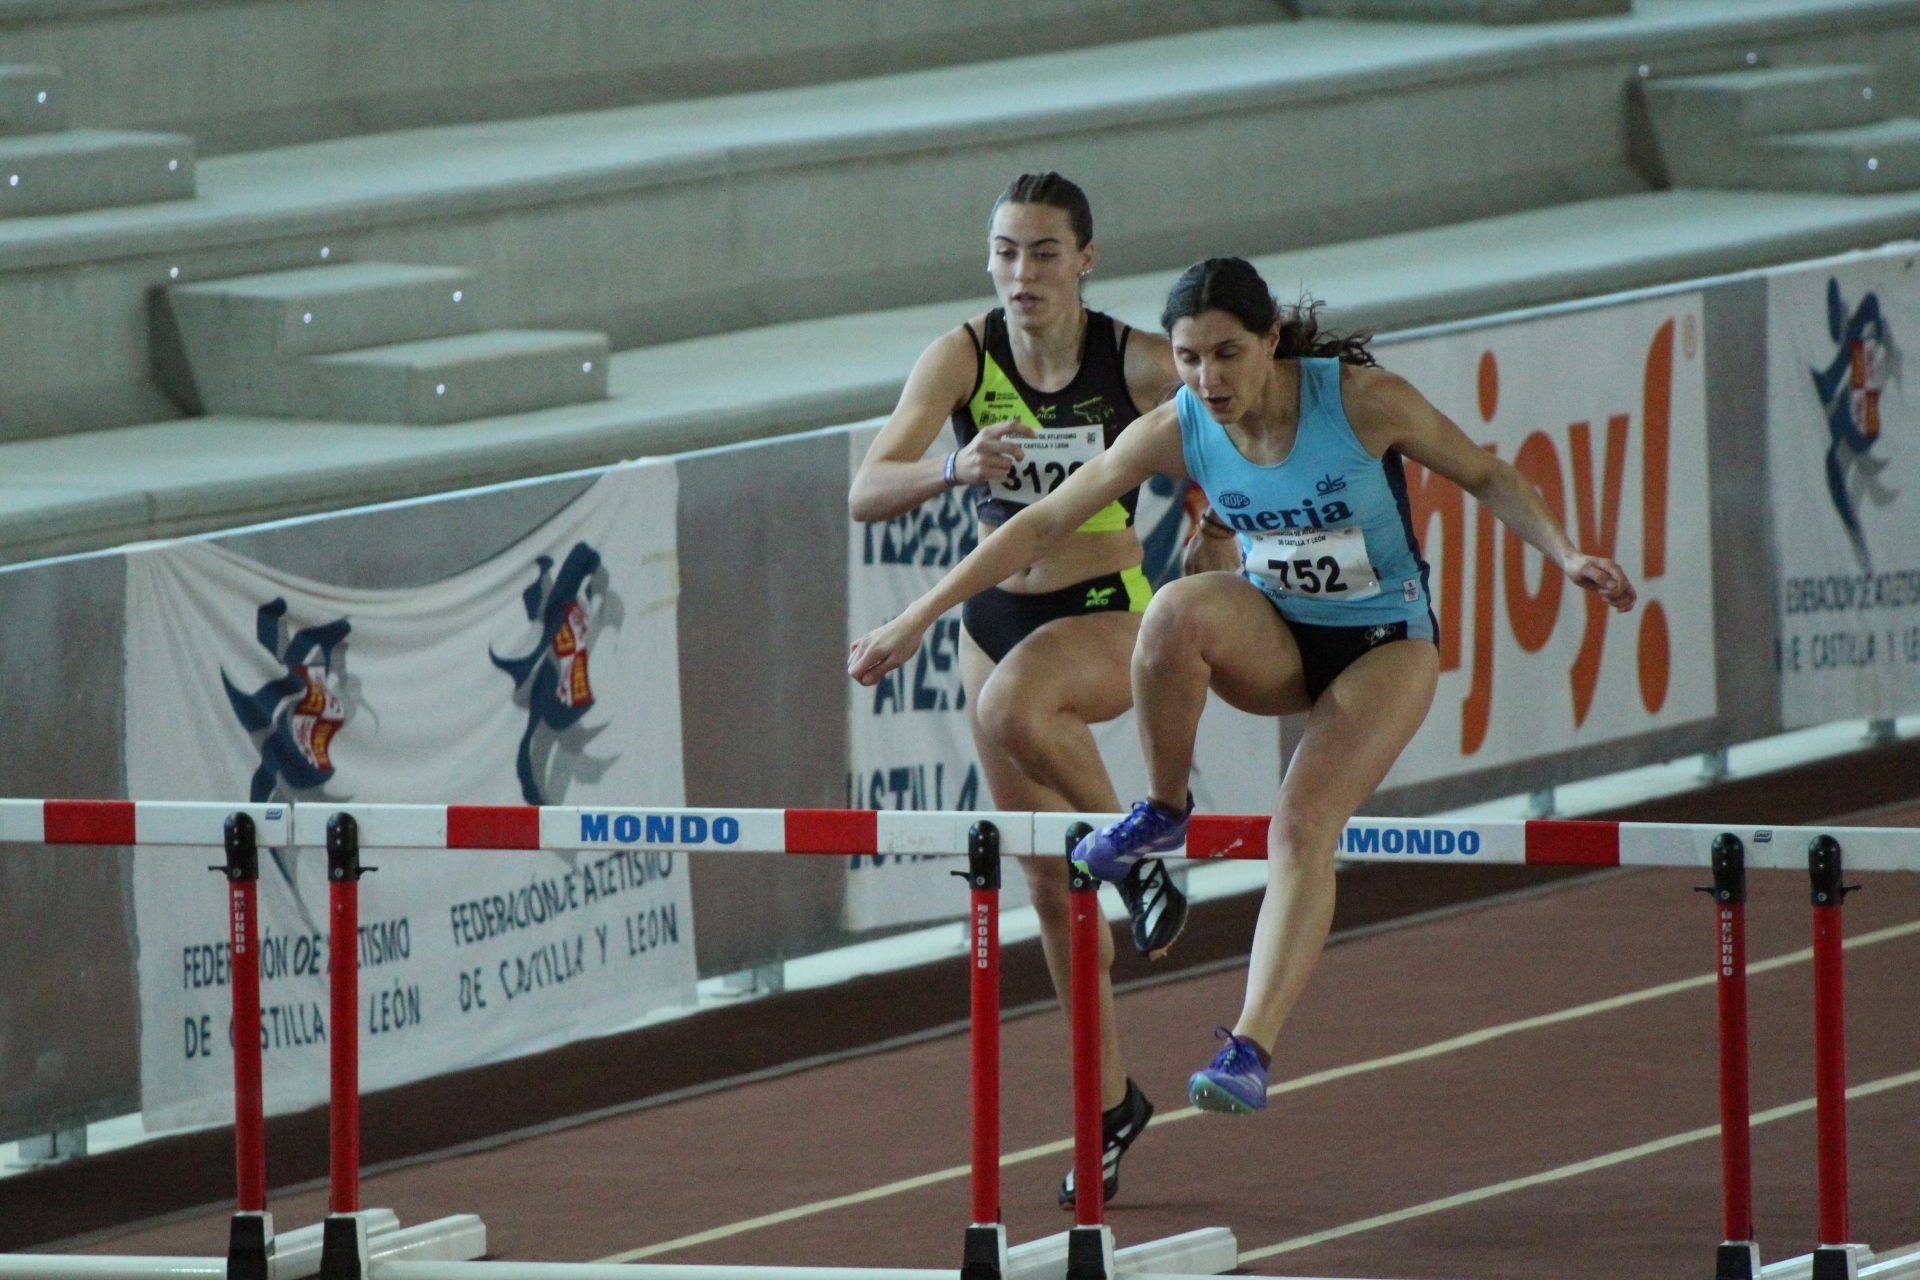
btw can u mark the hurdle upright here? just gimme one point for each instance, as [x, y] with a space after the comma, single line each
[254, 1251]
[985, 838]
[1088, 1255]
[1089, 1250]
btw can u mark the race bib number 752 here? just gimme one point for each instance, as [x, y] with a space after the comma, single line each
[1329, 563]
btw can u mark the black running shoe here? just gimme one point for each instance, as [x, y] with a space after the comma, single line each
[1155, 906]
[1119, 1127]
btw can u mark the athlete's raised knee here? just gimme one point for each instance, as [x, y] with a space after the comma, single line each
[1014, 715]
[1173, 631]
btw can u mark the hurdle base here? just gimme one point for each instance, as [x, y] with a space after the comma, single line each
[985, 1254]
[343, 1248]
[1737, 1260]
[1839, 1261]
[250, 1246]
[1206, 1251]
[1090, 1254]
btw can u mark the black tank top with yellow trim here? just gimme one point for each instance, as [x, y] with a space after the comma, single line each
[1097, 396]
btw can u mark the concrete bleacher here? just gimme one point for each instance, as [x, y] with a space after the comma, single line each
[74, 493]
[772, 261]
[47, 167]
[1488, 11]
[1791, 128]
[365, 342]
[243, 75]
[665, 221]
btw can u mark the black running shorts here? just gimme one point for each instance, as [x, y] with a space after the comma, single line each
[998, 620]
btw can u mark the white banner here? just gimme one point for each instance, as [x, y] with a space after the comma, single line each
[548, 674]
[909, 739]
[1605, 411]
[1843, 468]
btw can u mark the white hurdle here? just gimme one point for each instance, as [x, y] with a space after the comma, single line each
[1211, 837]
[296, 1255]
[356, 1244]
[254, 1252]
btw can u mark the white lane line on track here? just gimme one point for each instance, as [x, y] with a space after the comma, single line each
[1622, 1156]
[1437, 1048]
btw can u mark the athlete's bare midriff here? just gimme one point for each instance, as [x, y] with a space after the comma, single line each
[1081, 556]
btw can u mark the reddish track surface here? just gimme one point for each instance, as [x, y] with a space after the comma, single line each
[1361, 1141]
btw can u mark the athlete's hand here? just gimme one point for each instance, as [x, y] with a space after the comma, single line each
[990, 455]
[1210, 547]
[1602, 577]
[883, 649]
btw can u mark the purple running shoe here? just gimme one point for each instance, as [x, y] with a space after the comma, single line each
[1109, 853]
[1235, 1083]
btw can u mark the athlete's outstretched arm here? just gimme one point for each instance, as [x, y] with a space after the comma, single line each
[1385, 406]
[1150, 444]
[897, 475]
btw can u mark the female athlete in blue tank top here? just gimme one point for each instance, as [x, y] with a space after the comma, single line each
[1297, 440]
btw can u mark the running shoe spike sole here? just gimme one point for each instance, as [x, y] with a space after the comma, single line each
[1155, 906]
[1208, 1096]
[1161, 952]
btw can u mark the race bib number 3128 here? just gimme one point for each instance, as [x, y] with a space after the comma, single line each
[1051, 456]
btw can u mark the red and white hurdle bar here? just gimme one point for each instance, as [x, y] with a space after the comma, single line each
[346, 829]
[985, 1255]
[1091, 1253]
[253, 1251]
[841, 832]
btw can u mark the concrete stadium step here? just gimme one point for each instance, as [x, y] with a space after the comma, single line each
[340, 69]
[769, 201]
[363, 342]
[31, 100]
[90, 490]
[436, 380]
[1796, 128]
[1748, 103]
[1487, 12]
[283, 315]
[83, 169]
[1862, 160]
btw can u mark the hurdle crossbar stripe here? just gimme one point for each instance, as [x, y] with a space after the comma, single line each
[854, 832]
[195, 824]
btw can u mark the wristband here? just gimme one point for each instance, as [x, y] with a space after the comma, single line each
[946, 472]
[1211, 521]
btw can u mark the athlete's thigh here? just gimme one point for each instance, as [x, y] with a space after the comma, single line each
[1081, 665]
[1009, 786]
[1357, 729]
[1255, 663]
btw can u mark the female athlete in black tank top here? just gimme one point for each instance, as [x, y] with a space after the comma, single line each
[1046, 653]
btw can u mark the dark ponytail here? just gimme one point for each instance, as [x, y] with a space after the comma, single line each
[1055, 192]
[1233, 286]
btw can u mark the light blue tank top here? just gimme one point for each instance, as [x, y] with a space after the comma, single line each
[1327, 532]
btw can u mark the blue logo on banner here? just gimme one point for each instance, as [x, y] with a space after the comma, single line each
[553, 681]
[1849, 389]
[295, 717]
